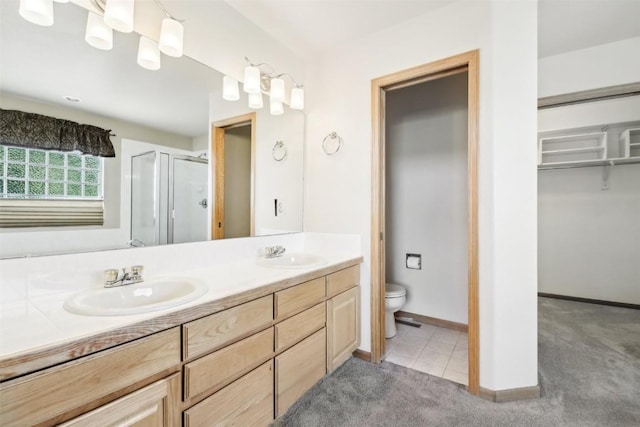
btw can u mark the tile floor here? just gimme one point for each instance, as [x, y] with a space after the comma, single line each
[431, 349]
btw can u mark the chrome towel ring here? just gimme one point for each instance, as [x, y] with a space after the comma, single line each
[279, 151]
[332, 143]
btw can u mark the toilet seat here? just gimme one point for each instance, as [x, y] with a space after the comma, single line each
[394, 291]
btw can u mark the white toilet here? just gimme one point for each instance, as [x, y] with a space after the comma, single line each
[395, 297]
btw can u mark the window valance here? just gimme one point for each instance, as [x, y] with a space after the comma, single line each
[30, 130]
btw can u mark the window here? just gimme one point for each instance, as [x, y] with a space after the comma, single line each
[39, 174]
[49, 188]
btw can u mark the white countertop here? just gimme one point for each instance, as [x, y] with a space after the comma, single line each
[38, 322]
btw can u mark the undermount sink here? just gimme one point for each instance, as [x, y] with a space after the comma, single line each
[150, 295]
[293, 260]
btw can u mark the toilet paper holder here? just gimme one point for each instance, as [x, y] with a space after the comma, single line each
[414, 261]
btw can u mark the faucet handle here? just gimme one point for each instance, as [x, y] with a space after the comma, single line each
[136, 271]
[111, 275]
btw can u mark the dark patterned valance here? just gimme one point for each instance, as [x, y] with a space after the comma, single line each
[30, 130]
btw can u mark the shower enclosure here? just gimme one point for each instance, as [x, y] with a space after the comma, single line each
[168, 198]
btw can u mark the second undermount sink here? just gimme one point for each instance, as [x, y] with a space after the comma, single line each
[150, 295]
[293, 260]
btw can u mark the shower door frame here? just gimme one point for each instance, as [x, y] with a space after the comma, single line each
[464, 62]
[171, 193]
[156, 205]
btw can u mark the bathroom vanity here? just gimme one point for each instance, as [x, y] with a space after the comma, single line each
[241, 359]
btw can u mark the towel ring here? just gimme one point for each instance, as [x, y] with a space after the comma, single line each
[332, 137]
[279, 151]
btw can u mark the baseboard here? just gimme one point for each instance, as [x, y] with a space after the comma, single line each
[590, 301]
[361, 354]
[433, 321]
[510, 395]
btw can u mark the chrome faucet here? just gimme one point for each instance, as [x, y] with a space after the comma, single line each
[112, 277]
[274, 251]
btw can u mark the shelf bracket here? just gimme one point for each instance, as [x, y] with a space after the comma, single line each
[606, 172]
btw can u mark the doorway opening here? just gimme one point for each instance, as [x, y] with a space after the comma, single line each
[233, 152]
[463, 63]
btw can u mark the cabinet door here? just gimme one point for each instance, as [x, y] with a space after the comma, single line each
[298, 369]
[343, 327]
[152, 406]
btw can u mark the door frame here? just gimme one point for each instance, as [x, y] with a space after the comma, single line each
[469, 62]
[218, 133]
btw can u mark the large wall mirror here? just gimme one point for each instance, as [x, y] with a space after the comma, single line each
[160, 188]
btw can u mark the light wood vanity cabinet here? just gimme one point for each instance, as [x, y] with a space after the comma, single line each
[241, 366]
[49, 396]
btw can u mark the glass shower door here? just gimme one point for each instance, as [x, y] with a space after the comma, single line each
[189, 198]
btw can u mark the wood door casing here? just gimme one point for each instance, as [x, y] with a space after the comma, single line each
[217, 153]
[469, 62]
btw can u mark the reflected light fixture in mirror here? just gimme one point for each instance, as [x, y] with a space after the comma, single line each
[230, 91]
[148, 54]
[98, 34]
[255, 101]
[39, 12]
[117, 15]
[276, 108]
[171, 37]
[256, 81]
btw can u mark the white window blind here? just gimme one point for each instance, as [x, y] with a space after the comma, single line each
[50, 213]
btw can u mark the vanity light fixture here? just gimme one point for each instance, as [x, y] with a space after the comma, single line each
[109, 15]
[257, 81]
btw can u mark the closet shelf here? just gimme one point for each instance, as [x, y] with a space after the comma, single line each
[575, 150]
[587, 163]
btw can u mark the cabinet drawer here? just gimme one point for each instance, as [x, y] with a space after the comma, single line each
[300, 326]
[342, 280]
[214, 331]
[246, 402]
[293, 300]
[213, 371]
[52, 392]
[298, 369]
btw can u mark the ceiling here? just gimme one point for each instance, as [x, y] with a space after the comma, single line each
[309, 27]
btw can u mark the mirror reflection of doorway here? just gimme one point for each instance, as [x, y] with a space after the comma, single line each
[234, 165]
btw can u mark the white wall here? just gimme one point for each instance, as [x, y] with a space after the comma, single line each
[599, 66]
[589, 238]
[338, 187]
[426, 195]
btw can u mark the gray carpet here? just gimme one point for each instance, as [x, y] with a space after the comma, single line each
[589, 358]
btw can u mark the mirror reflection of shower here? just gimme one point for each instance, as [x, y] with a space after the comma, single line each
[168, 198]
